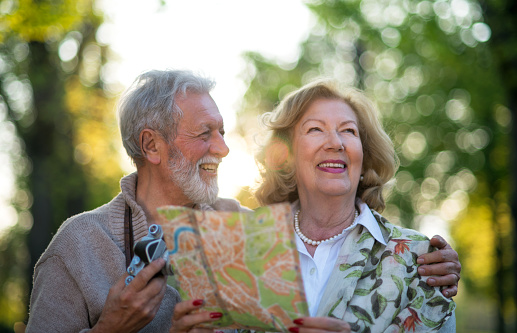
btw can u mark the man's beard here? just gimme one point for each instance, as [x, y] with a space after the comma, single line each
[186, 175]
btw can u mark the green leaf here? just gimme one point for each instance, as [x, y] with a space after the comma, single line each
[398, 283]
[365, 252]
[385, 254]
[439, 301]
[344, 267]
[377, 284]
[361, 313]
[376, 247]
[361, 263]
[410, 280]
[452, 305]
[428, 322]
[396, 233]
[436, 301]
[364, 237]
[379, 304]
[378, 270]
[417, 303]
[418, 238]
[399, 259]
[411, 293]
[334, 306]
[428, 290]
[355, 273]
[368, 273]
[362, 292]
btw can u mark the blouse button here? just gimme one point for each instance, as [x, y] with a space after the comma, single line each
[313, 270]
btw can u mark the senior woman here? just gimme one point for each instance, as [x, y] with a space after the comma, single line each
[328, 155]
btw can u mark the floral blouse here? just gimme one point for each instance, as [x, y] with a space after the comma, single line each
[376, 287]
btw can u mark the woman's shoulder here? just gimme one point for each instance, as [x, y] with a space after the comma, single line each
[399, 236]
[397, 230]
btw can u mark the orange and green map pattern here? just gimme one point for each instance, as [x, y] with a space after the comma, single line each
[243, 264]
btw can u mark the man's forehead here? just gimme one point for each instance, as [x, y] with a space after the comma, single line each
[196, 102]
[200, 108]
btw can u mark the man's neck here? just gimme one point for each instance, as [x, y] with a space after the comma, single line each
[153, 192]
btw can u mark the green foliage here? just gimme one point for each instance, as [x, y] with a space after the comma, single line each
[65, 144]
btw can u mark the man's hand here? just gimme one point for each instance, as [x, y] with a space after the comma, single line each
[129, 308]
[445, 265]
[185, 321]
[319, 324]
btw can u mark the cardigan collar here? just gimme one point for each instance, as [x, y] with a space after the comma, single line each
[117, 208]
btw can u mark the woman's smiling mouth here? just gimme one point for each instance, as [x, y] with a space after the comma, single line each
[332, 166]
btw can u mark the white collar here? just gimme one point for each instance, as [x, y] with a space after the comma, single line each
[367, 220]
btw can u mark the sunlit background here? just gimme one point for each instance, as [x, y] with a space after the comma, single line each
[441, 72]
[208, 37]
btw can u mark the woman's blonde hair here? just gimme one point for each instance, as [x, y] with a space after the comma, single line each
[278, 175]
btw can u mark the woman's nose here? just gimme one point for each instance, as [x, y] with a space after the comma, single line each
[334, 142]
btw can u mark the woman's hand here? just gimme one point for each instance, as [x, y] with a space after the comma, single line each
[319, 324]
[185, 321]
[444, 264]
[129, 308]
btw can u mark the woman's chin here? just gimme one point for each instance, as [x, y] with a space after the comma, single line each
[338, 191]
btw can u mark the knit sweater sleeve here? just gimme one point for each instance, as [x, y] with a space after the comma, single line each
[56, 295]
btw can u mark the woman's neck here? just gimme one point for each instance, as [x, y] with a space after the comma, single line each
[321, 219]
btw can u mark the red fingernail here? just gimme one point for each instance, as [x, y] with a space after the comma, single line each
[198, 302]
[216, 314]
[294, 329]
[298, 321]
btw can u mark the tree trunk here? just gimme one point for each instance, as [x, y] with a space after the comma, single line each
[57, 182]
[501, 19]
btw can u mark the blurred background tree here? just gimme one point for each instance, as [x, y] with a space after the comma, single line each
[58, 131]
[443, 76]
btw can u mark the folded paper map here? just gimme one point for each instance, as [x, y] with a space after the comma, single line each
[243, 264]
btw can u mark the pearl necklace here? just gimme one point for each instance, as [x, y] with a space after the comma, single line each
[313, 242]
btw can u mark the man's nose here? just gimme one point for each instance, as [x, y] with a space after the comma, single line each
[219, 147]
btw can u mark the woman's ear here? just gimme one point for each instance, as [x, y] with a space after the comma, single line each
[150, 144]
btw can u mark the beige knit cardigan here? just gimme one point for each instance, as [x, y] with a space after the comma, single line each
[85, 258]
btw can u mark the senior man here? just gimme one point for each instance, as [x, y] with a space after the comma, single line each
[173, 132]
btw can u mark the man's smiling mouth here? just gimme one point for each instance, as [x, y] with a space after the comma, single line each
[210, 167]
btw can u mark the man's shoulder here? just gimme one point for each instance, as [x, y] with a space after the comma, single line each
[95, 218]
[83, 228]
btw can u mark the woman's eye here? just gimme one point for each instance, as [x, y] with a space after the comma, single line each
[313, 129]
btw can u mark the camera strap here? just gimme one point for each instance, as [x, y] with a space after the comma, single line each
[128, 235]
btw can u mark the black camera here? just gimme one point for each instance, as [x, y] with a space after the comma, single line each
[148, 249]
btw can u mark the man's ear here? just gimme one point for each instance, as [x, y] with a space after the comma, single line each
[150, 146]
